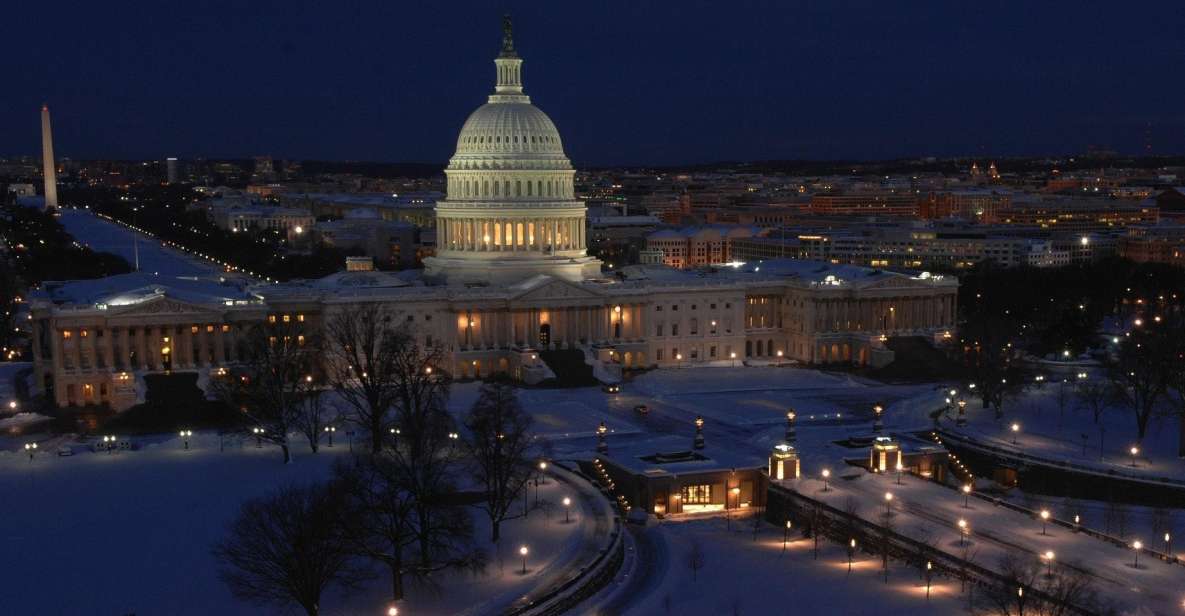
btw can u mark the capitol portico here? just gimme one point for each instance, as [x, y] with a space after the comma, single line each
[510, 286]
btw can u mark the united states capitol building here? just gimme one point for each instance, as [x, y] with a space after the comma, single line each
[511, 284]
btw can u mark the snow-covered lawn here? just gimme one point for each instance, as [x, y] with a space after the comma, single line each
[743, 576]
[131, 532]
[1047, 429]
[106, 236]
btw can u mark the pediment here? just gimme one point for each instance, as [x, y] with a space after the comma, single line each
[161, 305]
[556, 289]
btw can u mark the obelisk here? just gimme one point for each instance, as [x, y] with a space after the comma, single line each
[49, 169]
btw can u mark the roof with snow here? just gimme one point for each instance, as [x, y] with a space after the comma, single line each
[136, 287]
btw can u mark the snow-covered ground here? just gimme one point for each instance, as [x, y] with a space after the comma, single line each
[106, 236]
[1066, 431]
[741, 575]
[132, 532]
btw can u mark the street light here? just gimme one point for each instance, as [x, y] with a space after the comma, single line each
[31, 448]
[786, 535]
[851, 553]
[966, 496]
[962, 418]
[523, 551]
[962, 532]
[258, 436]
[185, 434]
[1048, 556]
[1015, 429]
[109, 443]
[567, 506]
[1168, 545]
[900, 467]
[1137, 545]
[392, 611]
[888, 503]
[826, 476]
[330, 430]
[1044, 520]
[1134, 451]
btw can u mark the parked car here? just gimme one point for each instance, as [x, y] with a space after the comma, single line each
[641, 409]
[65, 451]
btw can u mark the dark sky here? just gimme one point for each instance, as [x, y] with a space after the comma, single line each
[626, 82]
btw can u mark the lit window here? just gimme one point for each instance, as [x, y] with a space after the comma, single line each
[271, 318]
[193, 329]
[700, 494]
[209, 329]
[83, 333]
[66, 333]
[287, 318]
[300, 318]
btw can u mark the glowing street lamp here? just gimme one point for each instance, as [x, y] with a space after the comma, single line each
[929, 573]
[1137, 545]
[567, 505]
[900, 467]
[109, 443]
[258, 436]
[786, 535]
[392, 611]
[1134, 451]
[698, 441]
[851, 553]
[878, 422]
[329, 430]
[1015, 429]
[962, 532]
[12, 404]
[966, 496]
[826, 476]
[30, 448]
[523, 552]
[185, 434]
[1044, 520]
[888, 503]
[962, 418]
[1048, 556]
[602, 446]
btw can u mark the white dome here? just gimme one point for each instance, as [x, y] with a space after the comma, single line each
[509, 128]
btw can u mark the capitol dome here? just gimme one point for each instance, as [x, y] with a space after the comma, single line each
[511, 210]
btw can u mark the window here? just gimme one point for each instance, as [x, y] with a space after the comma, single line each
[66, 334]
[658, 330]
[300, 318]
[712, 352]
[699, 494]
[209, 329]
[658, 308]
[658, 354]
[193, 329]
[675, 307]
[694, 326]
[287, 318]
[83, 333]
[271, 318]
[674, 329]
[225, 328]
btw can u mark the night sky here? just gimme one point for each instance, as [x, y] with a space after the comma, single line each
[627, 82]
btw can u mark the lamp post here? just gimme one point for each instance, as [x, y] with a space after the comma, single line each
[258, 436]
[791, 430]
[1015, 429]
[329, 430]
[900, 467]
[1048, 556]
[877, 422]
[929, 572]
[1044, 520]
[1137, 545]
[392, 611]
[851, 553]
[888, 503]
[523, 552]
[786, 535]
[542, 469]
[962, 419]
[962, 532]
[1168, 545]
[567, 505]
[966, 496]
[733, 356]
[30, 448]
[1077, 522]
[602, 446]
[1020, 601]
[826, 476]
[185, 434]
[109, 442]
[698, 441]
[1134, 451]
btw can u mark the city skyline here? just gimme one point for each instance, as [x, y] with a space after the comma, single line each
[631, 85]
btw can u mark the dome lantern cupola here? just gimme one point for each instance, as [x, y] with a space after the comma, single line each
[509, 86]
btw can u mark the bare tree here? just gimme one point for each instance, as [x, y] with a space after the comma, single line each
[380, 524]
[270, 381]
[311, 420]
[1065, 590]
[1140, 372]
[499, 445]
[285, 548]
[1094, 395]
[696, 558]
[362, 345]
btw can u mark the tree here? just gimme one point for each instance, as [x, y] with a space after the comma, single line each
[499, 445]
[380, 524]
[270, 382]
[1140, 373]
[987, 358]
[285, 548]
[1174, 327]
[696, 558]
[1067, 591]
[362, 349]
[1094, 395]
[310, 417]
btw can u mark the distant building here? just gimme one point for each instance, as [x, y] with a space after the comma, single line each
[1080, 215]
[1159, 244]
[171, 170]
[698, 246]
[867, 204]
